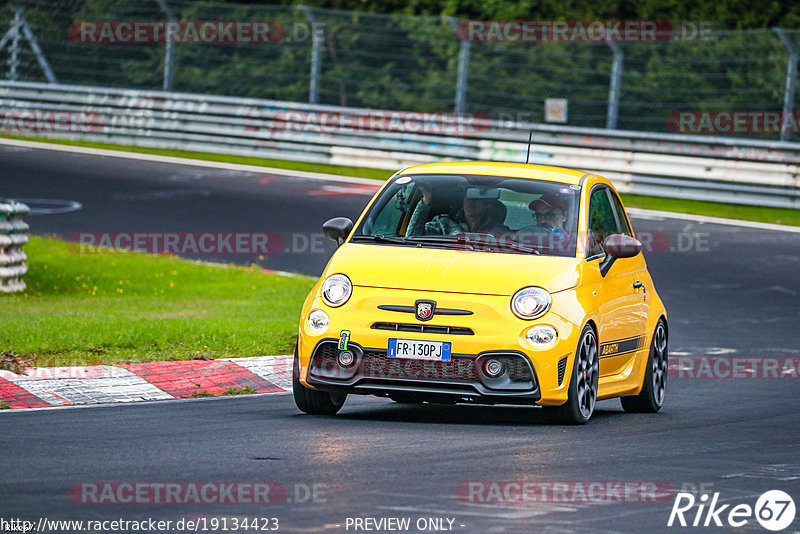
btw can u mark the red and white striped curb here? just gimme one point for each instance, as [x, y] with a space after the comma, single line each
[42, 387]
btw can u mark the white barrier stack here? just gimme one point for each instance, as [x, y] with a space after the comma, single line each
[12, 237]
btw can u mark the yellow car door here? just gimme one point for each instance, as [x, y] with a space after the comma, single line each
[621, 293]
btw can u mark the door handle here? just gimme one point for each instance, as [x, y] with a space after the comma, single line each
[637, 285]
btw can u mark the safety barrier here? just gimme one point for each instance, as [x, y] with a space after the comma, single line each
[743, 171]
[12, 237]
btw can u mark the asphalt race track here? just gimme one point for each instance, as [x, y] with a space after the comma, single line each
[731, 292]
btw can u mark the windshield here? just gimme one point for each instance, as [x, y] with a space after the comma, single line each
[475, 212]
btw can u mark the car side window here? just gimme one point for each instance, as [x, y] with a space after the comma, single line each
[387, 220]
[602, 221]
[624, 227]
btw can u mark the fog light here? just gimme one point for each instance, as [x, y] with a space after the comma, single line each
[346, 358]
[542, 336]
[494, 368]
[318, 322]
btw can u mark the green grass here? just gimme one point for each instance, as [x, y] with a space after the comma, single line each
[785, 216]
[83, 309]
[240, 391]
[714, 209]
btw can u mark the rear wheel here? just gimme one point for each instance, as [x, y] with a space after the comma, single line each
[312, 401]
[651, 398]
[582, 392]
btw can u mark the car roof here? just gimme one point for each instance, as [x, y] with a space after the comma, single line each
[493, 168]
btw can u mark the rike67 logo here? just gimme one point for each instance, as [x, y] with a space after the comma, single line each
[774, 510]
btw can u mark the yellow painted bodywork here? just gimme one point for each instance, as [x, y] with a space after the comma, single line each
[484, 283]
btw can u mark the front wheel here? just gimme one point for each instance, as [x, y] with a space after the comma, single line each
[582, 393]
[651, 398]
[312, 401]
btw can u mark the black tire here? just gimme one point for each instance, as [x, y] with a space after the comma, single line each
[651, 398]
[582, 392]
[312, 401]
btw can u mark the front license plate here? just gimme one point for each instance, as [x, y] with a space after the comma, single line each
[419, 350]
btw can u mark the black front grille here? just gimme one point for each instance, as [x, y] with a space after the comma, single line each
[424, 328]
[375, 364]
[562, 367]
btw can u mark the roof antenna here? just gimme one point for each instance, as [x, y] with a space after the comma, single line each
[528, 157]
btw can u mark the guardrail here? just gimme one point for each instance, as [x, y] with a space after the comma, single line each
[743, 171]
[12, 237]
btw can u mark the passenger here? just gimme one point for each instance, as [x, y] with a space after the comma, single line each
[476, 215]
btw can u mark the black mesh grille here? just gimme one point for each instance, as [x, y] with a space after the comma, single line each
[376, 364]
[325, 362]
[518, 369]
[326, 350]
[424, 328]
[562, 367]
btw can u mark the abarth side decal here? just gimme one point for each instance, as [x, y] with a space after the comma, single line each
[621, 346]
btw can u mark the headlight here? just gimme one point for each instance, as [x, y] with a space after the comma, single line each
[336, 289]
[318, 321]
[530, 302]
[541, 336]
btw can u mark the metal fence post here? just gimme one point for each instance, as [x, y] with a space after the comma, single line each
[791, 80]
[37, 51]
[15, 33]
[317, 40]
[463, 67]
[614, 87]
[169, 48]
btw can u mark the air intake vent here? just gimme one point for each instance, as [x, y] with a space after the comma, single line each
[562, 367]
[424, 328]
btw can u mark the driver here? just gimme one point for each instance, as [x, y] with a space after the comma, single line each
[549, 232]
[551, 212]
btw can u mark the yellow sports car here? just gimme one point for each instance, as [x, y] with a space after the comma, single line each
[485, 283]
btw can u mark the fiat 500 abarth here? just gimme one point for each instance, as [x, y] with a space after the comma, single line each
[485, 283]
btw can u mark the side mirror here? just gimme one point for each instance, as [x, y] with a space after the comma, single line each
[338, 228]
[618, 246]
[622, 246]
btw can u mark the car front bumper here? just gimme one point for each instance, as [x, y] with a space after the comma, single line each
[535, 376]
[461, 379]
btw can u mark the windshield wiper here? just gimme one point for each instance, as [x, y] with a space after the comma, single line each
[457, 241]
[381, 239]
[514, 246]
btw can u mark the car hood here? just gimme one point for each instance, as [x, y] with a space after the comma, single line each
[454, 271]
